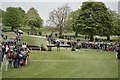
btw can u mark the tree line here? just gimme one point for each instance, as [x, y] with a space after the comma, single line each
[0, 15]
[15, 17]
[92, 18]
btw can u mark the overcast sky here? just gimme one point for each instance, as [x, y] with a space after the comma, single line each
[44, 7]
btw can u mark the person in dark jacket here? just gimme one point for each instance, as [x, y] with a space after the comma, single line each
[118, 53]
[16, 57]
[58, 45]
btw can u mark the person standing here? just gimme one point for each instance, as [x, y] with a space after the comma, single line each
[118, 53]
[58, 44]
[16, 57]
[6, 37]
[24, 45]
[3, 49]
[9, 58]
[28, 33]
[1, 56]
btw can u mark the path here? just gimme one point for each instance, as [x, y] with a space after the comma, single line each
[45, 37]
[38, 36]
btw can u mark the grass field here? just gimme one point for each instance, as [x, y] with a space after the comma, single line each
[67, 64]
[84, 63]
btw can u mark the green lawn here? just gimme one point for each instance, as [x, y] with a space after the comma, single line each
[10, 34]
[67, 64]
[33, 40]
[84, 63]
[48, 32]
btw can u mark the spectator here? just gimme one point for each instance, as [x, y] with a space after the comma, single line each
[58, 45]
[6, 37]
[2, 35]
[9, 57]
[3, 49]
[6, 49]
[78, 44]
[16, 57]
[1, 56]
[49, 38]
[40, 33]
[118, 53]
[101, 45]
[56, 35]
[72, 44]
[24, 45]
[28, 33]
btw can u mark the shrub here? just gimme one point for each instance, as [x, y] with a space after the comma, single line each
[43, 48]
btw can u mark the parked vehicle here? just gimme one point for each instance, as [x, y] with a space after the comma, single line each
[4, 30]
[18, 31]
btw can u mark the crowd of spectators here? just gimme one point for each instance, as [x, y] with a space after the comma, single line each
[107, 46]
[101, 45]
[13, 53]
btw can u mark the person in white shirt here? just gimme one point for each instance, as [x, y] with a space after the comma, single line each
[24, 45]
[6, 48]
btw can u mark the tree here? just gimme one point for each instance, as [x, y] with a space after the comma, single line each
[0, 15]
[68, 26]
[118, 27]
[93, 19]
[116, 18]
[22, 12]
[33, 19]
[73, 18]
[12, 17]
[58, 18]
[112, 28]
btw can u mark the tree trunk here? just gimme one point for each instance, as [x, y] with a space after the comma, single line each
[32, 30]
[91, 38]
[76, 34]
[60, 32]
[12, 28]
[108, 37]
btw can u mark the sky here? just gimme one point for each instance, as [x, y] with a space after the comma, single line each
[44, 7]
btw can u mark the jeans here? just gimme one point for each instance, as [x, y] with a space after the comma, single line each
[16, 63]
[8, 64]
